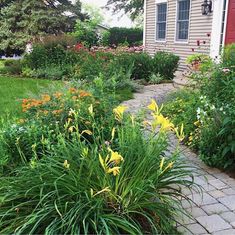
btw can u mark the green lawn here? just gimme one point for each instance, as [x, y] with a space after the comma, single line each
[13, 90]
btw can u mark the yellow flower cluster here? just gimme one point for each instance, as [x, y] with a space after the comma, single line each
[111, 162]
[168, 167]
[163, 122]
[119, 111]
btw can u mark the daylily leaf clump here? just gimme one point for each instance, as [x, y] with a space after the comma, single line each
[94, 171]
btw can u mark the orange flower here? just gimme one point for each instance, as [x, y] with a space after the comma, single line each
[46, 98]
[30, 103]
[56, 112]
[58, 95]
[74, 97]
[84, 94]
[72, 90]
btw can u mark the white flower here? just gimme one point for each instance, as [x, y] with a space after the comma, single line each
[221, 109]
[198, 110]
[212, 107]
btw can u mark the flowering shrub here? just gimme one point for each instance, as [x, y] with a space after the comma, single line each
[79, 63]
[209, 115]
[115, 179]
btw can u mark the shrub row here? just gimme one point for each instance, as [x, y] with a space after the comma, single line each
[129, 36]
[79, 63]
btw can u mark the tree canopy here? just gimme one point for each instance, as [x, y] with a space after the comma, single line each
[23, 20]
[132, 7]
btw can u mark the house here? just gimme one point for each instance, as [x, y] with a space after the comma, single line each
[100, 29]
[185, 27]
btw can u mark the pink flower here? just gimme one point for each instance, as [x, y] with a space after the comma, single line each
[226, 70]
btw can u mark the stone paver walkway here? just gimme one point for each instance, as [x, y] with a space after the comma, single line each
[213, 210]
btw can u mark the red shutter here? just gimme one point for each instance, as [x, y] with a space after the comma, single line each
[230, 29]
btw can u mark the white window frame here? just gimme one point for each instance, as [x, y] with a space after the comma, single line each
[157, 2]
[182, 41]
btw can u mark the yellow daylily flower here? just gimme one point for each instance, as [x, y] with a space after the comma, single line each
[99, 192]
[90, 109]
[119, 112]
[115, 157]
[88, 132]
[162, 163]
[110, 163]
[164, 122]
[180, 134]
[102, 163]
[153, 106]
[169, 166]
[115, 170]
[113, 133]
[66, 164]
[71, 128]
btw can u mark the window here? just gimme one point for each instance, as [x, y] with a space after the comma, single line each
[161, 21]
[183, 20]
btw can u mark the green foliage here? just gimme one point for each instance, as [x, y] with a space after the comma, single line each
[95, 172]
[25, 20]
[181, 108]
[85, 32]
[125, 35]
[165, 64]
[220, 130]
[229, 56]
[133, 8]
[155, 78]
[53, 60]
[200, 62]
[209, 113]
[12, 67]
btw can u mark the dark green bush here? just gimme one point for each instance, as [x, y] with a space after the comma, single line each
[143, 67]
[45, 56]
[229, 56]
[165, 64]
[132, 36]
[13, 67]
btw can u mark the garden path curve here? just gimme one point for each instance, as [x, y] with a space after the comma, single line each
[213, 212]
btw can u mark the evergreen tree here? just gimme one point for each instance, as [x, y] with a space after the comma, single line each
[23, 20]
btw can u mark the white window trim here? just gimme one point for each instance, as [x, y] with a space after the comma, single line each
[216, 27]
[225, 22]
[145, 22]
[176, 21]
[156, 3]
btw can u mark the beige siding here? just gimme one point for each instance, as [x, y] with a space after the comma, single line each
[200, 26]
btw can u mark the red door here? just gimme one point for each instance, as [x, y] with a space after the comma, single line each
[230, 30]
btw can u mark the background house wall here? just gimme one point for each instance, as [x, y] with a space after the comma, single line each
[200, 27]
